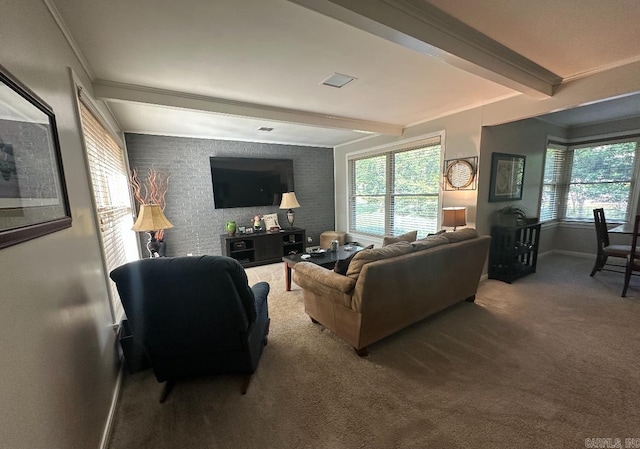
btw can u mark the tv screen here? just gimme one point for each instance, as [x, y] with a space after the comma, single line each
[248, 182]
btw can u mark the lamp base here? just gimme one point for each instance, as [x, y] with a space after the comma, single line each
[290, 218]
[153, 245]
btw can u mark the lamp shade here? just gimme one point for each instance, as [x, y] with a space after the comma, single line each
[151, 218]
[454, 216]
[289, 201]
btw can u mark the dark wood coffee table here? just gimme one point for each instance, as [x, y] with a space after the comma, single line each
[327, 260]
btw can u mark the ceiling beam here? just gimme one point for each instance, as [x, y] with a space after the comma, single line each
[127, 93]
[422, 27]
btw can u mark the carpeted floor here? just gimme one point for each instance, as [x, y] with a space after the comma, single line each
[546, 362]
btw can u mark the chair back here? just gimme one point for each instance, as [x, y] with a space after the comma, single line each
[184, 310]
[632, 259]
[602, 233]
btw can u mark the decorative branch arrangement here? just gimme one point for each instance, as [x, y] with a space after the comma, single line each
[151, 190]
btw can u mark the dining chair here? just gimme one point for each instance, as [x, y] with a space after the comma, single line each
[605, 250]
[633, 264]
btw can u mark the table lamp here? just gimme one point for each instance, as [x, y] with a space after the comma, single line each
[150, 220]
[289, 201]
[454, 217]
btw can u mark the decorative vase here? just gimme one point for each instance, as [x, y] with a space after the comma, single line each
[230, 227]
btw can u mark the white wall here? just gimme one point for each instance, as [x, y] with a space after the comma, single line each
[57, 348]
[462, 139]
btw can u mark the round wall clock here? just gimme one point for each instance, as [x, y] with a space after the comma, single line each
[460, 174]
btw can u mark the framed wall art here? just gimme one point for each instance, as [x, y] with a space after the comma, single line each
[271, 222]
[507, 176]
[33, 195]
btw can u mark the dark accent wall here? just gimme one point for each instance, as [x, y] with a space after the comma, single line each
[190, 208]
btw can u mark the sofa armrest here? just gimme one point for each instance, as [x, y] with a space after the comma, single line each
[313, 277]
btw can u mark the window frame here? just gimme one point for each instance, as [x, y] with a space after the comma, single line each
[435, 139]
[558, 182]
[570, 146]
[86, 101]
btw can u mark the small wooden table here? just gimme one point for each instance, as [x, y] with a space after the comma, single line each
[328, 259]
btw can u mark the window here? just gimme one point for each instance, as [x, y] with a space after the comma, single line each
[110, 182]
[396, 191]
[601, 176]
[552, 182]
[580, 178]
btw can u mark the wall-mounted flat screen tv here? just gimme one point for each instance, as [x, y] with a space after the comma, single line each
[250, 182]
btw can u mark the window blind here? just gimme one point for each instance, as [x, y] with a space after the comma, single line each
[396, 191]
[552, 187]
[369, 194]
[110, 183]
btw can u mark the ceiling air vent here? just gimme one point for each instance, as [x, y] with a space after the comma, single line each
[265, 129]
[337, 80]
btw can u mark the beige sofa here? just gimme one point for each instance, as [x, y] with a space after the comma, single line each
[387, 289]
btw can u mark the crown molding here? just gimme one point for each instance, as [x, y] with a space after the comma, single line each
[69, 37]
[603, 68]
[424, 28]
[127, 93]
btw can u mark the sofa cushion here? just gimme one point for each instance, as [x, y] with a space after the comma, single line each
[341, 266]
[429, 242]
[441, 231]
[407, 237]
[462, 234]
[371, 255]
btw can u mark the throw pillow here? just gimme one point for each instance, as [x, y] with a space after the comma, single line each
[407, 237]
[342, 266]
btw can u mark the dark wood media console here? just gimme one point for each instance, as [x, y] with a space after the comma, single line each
[261, 248]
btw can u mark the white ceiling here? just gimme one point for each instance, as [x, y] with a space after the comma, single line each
[223, 69]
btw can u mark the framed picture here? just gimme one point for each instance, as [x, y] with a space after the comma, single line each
[33, 195]
[507, 176]
[271, 222]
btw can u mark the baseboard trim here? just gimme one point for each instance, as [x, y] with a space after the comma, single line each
[569, 253]
[485, 276]
[106, 435]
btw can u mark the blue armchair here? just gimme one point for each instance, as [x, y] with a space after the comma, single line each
[194, 316]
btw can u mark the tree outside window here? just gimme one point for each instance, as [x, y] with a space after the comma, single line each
[601, 177]
[396, 192]
[578, 179]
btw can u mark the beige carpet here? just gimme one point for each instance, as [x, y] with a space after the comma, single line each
[543, 363]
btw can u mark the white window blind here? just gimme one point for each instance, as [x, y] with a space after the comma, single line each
[552, 187]
[110, 182]
[601, 176]
[396, 191]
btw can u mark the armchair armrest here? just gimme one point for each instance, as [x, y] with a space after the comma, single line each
[260, 293]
